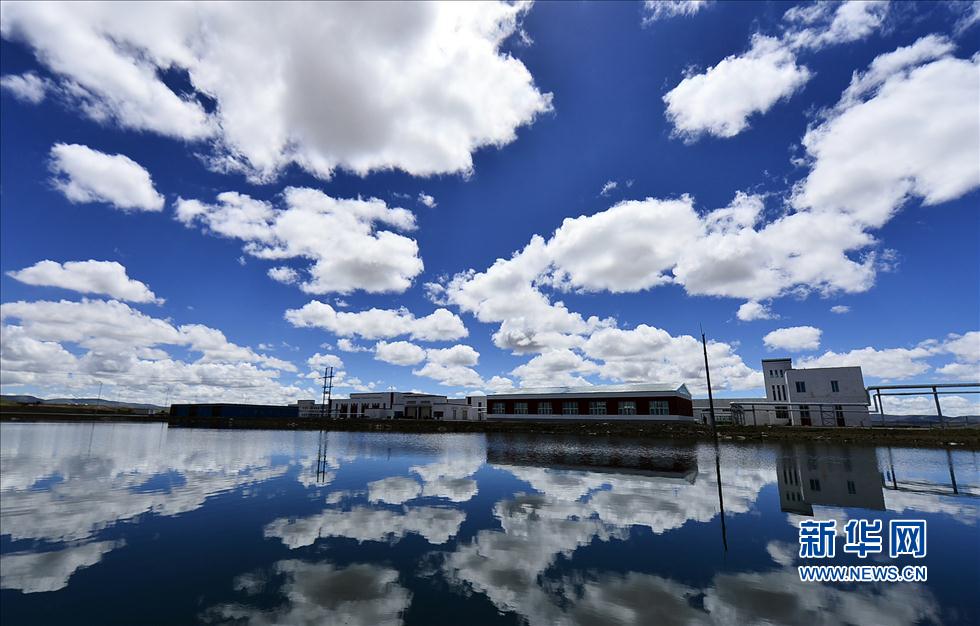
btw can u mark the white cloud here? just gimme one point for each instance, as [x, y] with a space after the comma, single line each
[457, 355]
[654, 10]
[452, 366]
[67, 348]
[342, 237]
[886, 363]
[428, 87]
[840, 309]
[965, 347]
[99, 277]
[283, 274]
[821, 24]
[646, 354]
[440, 325]
[608, 188]
[346, 345]
[720, 101]
[752, 310]
[793, 339]
[902, 129]
[555, 367]
[319, 361]
[87, 175]
[952, 405]
[639, 244]
[28, 87]
[399, 352]
[427, 200]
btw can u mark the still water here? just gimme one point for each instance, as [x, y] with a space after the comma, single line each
[140, 524]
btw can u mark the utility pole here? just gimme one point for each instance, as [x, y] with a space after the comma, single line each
[325, 400]
[707, 375]
[98, 403]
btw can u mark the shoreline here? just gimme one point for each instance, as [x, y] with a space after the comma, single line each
[968, 438]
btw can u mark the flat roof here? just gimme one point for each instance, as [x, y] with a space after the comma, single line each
[592, 389]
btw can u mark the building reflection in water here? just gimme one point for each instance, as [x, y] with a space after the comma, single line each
[606, 455]
[837, 476]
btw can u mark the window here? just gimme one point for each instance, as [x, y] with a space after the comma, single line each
[782, 413]
[805, 411]
[569, 408]
[800, 386]
[627, 407]
[659, 407]
[520, 408]
[597, 407]
[851, 488]
[438, 414]
[782, 389]
[774, 392]
[815, 484]
[498, 408]
[834, 386]
[544, 408]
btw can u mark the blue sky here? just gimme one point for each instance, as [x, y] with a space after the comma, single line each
[762, 163]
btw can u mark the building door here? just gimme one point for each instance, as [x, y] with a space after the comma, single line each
[806, 421]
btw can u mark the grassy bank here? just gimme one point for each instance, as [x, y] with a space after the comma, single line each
[921, 437]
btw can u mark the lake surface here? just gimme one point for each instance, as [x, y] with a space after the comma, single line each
[140, 524]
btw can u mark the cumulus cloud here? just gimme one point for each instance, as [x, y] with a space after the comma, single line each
[399, 352]
[86, 175]
[283, 274]
[885, 363]
[720, 101]
[452, 366]
[608, 188]
[820, 24]
[346, 345]
[68, 347]
[343, 238]
[429, 86]
[907, 127]
[27, 87]
[98, 277]
[752, 310]
[646, 353]
[555, 367]
[840, 309]
[654, 10]
[440, 325]
[427, 200]
[793, 338]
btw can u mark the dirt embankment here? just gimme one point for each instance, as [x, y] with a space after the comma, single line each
[924, 437]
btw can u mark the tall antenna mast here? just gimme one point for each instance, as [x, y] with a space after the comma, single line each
[325, 401]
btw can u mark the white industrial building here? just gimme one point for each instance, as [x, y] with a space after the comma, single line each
[819, 396]
[397, 405]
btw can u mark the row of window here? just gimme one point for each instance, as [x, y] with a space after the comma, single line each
[779, 392]
[625, 407]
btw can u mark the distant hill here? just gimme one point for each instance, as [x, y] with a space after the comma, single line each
[79, 402]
